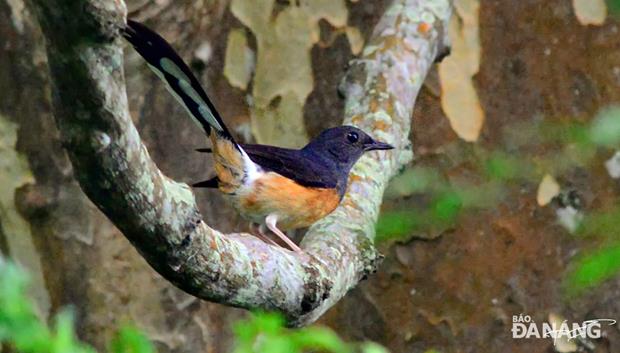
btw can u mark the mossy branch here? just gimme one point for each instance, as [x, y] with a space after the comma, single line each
[160, 217]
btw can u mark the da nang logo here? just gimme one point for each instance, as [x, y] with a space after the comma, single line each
[523, 327]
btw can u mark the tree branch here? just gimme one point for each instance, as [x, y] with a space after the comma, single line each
[160, 217]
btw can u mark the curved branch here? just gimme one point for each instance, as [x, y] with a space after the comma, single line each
[160, 216]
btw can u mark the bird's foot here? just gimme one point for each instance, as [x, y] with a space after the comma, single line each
[259, 232]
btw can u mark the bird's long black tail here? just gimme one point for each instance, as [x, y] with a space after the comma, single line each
[180, 81]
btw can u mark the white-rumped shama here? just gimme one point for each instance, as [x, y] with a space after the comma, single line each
[268, 185]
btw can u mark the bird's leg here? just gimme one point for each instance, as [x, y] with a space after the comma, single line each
[260, 234]
[271, 221]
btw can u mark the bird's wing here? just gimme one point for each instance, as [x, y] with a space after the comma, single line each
[292, 164]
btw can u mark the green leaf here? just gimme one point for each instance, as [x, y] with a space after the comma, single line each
[271, 323]
[396, 224]
[501, 166]
[371, 347]
[593, 269]
[275, 344]
[447, 206]
[63, 341]
[21, 328]
[320, 338]
[130, 340]
[265, 333]
[614, 7]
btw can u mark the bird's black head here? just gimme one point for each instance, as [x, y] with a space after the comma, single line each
[343, 145]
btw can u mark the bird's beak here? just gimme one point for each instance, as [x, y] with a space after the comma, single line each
[376, 145]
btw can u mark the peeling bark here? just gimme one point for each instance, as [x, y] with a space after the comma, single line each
[160, 216]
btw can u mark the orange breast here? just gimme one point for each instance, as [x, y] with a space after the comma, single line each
[295, 205]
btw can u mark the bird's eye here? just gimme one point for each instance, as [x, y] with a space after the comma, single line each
[353, 137]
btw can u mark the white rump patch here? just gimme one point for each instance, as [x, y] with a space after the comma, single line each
[252, 170]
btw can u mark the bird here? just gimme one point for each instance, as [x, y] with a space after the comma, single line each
[276, 187]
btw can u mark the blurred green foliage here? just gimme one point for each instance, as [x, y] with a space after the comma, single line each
[594, 268]
[543, 147]
[265, 333]
[605, 129]
[614, 7]
[23, 331]
[131, 340]
[397, 225]
[503, 166]
[440, 207]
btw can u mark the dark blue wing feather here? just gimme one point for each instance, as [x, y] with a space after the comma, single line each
[293, 164]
